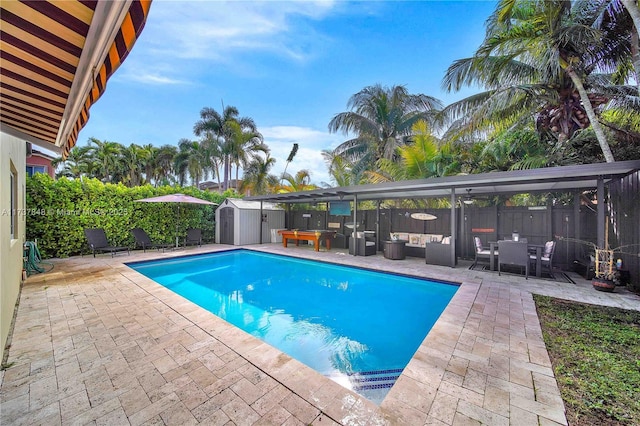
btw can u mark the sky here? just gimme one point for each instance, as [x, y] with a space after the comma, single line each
[291, 66]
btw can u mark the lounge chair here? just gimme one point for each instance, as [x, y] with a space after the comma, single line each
[143, 240]
[97, 240]
[194, 237]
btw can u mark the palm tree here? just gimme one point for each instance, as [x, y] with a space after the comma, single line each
[147, 154]
[300, 182]
[190, 160]
[537, 61]
[221, 127]
[381, 119]
[340, 170]
[131, 165]
[162, 163]
[107, 155]
[78, 163]
[634, 12]
[213, 156]
[257, 180]
[423, 157]
[243, 144]
[292, 154]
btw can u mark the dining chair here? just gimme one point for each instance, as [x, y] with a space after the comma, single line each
[513, 253]
[482, 254]
[546, 260]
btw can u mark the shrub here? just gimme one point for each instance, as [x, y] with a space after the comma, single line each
[58, 212]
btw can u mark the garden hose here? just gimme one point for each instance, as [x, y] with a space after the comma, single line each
[33, 260]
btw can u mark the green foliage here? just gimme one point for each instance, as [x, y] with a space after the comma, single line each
[594, 352]
[59, 211]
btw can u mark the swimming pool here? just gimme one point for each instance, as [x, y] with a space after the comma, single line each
[355, 326]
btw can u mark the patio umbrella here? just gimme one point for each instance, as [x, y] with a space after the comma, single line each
[178, 199]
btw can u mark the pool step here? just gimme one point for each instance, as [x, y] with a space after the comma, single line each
[378, 379]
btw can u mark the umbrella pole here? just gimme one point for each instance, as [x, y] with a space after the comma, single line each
[177, 222]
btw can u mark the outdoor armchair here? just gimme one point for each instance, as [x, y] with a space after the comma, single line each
[143, 240]
[364, 247]
[439, 253]
[97, 240]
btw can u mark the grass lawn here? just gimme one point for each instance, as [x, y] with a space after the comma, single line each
[595, 352]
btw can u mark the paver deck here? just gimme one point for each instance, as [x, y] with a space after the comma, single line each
[97, 343]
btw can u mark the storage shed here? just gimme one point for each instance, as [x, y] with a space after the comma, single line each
[239, 222]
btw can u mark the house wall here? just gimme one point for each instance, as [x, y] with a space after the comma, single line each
[12, 157]
[36, 160]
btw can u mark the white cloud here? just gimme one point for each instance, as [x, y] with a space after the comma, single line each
[154, 79]
[311, 142]
[212, 30]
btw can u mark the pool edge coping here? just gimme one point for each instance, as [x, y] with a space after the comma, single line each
[410, 392]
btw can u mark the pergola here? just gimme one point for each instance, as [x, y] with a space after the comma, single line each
[551, 179]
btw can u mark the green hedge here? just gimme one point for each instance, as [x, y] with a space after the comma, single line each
[58, 212]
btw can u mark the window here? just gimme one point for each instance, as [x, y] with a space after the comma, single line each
[31, 170]
[13, 185]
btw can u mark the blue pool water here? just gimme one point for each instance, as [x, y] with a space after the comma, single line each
[356, 326]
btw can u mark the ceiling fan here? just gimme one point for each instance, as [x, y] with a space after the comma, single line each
[469, 199]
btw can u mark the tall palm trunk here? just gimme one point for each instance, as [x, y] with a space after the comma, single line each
[588, 108]
[227, 172]
[634, 11]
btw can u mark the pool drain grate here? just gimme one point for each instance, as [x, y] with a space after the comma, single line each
[379, 379]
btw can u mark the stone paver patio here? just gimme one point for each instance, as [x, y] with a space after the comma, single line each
[97, 343]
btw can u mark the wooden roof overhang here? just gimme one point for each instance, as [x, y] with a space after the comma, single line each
[55, 60]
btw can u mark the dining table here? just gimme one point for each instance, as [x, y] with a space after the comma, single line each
[493, 245]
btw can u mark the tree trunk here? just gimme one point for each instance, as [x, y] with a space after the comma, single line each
[217, 172]
[586, 103]
[226, 173]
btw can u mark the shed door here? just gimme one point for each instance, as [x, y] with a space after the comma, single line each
[226, 230]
